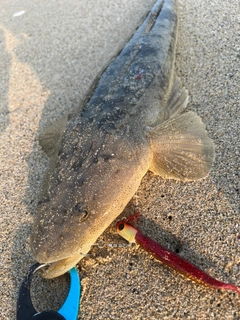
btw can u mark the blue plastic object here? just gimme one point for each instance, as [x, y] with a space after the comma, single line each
[68, 311]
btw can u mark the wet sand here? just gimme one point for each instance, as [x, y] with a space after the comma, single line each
[50, 55]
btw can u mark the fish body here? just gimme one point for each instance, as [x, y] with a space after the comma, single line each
[132, 123]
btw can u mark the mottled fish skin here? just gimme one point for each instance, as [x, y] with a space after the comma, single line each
[106, 150]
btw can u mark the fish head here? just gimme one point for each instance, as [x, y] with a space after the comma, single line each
[57, 236]
[86, 194]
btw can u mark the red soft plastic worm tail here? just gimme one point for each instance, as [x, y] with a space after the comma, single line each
[181, 265]
[171, 259]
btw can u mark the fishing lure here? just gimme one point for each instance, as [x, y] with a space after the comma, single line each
[171, 259]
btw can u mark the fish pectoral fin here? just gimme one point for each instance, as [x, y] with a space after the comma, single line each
[177, 101]
[181, 148]
[50, 138]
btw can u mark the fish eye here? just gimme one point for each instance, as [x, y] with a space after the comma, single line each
[81, 210]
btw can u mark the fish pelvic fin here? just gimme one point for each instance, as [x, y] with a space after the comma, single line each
[51, 137]
[181, 148]
[50, 140]
[177, 101]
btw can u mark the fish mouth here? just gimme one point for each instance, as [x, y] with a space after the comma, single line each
[57, 268]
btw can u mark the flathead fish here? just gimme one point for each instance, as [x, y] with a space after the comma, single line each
[133, 122]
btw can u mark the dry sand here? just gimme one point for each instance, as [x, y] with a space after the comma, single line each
[49, 57]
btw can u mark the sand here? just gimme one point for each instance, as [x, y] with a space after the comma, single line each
[51, 52]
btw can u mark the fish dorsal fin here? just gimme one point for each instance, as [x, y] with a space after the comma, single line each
[177, 100]
[50, 138]
[181, 148]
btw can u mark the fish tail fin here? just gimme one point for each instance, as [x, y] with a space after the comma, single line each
[181, 148]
